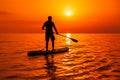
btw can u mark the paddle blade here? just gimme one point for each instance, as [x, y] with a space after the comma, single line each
[74, 40]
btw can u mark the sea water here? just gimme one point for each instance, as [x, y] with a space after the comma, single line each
[94, 57]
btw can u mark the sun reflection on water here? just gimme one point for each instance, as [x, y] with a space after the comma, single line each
[67, 39]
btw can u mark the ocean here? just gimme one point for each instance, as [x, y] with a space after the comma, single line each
[94, 57]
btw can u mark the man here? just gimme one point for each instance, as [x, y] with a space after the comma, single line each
[49, 31]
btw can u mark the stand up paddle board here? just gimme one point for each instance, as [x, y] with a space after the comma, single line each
[44, 52]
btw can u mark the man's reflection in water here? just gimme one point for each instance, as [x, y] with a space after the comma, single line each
[50, 66]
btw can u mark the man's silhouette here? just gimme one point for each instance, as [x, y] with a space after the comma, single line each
[49, 31]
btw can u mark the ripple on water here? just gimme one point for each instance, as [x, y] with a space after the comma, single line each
[82, 52]
[12, 77]
[1, 53]
[103, 76]
[32, 69]
[103, 60]
[18, 65]
[104, 67]
[87, 61]
[118, 71]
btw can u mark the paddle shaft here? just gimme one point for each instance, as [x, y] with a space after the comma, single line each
[67, 37]
[64, 36]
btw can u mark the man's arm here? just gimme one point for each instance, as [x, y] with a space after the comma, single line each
[43, 26]
[55, 28]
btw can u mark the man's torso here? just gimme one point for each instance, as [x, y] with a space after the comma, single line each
[49, 25]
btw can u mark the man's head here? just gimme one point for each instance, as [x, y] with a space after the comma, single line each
[50, 18]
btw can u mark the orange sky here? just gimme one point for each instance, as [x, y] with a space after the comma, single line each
[86, 15]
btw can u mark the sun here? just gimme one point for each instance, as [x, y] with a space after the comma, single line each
[68, 13]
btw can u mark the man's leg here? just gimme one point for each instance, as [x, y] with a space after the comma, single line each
[47, 41]
[52, 44]
[52, 39]
[46, 45]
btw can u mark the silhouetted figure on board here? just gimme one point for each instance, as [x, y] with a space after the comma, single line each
[48, 26]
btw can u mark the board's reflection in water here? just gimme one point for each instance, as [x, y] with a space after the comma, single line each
[50, 68]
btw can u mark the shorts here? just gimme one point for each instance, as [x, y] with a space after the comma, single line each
[50, 36]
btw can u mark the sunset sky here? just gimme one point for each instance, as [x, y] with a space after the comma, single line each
[68, 15]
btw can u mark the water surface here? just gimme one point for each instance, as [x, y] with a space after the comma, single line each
[94, 57]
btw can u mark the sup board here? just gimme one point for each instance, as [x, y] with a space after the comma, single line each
[44, 52]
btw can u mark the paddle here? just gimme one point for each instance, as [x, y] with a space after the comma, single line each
[74, 40]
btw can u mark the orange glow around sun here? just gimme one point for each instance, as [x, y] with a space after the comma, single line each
[68, 15]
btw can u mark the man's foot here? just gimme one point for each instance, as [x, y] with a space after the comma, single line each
[46, 49]
[53, 49]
